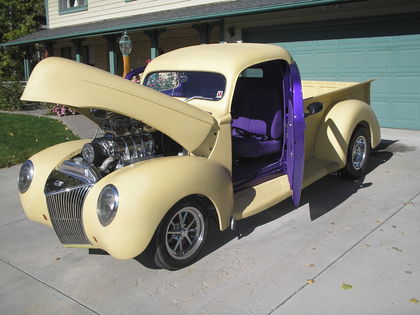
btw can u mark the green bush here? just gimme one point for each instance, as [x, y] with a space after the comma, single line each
[10, 93]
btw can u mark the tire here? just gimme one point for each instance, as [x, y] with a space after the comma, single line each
[181, 235]
[357, 155]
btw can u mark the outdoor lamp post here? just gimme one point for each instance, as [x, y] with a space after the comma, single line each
[125, 46]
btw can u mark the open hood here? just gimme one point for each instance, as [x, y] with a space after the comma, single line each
[66, 82]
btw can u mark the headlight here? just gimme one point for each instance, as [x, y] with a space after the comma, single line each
[25, 176]
[108, 202]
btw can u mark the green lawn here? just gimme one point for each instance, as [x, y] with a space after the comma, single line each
[23, 135]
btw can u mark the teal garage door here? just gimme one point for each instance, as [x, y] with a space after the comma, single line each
[393, 61]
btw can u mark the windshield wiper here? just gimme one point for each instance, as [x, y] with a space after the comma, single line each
[199, 97]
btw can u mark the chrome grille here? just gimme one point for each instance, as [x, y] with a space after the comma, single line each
[65, 209]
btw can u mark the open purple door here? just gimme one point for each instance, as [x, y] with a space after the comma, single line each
[295, 131]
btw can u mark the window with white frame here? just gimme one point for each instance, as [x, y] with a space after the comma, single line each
[68, 6]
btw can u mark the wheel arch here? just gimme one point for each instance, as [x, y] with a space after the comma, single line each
[337, 127]
[160, 184]
[208, 204]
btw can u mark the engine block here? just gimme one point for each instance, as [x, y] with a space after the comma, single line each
[124, 142]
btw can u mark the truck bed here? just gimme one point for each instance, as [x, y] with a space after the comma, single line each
[315, 89]
[328, 93]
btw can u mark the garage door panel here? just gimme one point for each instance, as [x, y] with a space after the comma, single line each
[394, 61]
[352, 61]
[351, 43]
[382, 109]
[404, 41]
[324, 61]
[406, 111]
[327, 45]
[408, 59]
[381, 87]
[301, 45]
[380, 42]
[407, 86]
[379, 61]
[305, 58]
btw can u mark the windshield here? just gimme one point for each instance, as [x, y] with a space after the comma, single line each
[188, 84]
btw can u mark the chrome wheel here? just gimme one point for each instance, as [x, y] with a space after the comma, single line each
[359, 152]
[357, 155]
[184, 233]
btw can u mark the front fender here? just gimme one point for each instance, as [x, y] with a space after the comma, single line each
[33, 200]
[337, 127]
[147, 190]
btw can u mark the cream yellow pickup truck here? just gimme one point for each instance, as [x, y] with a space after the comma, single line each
[218, 132]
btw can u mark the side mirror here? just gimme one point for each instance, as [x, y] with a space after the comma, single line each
[314, 108]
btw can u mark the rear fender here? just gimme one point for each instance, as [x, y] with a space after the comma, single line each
[147, 191]
[337, 127]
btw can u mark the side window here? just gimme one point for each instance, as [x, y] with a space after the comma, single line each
[266, 76]
[70, 6]
[252, 73]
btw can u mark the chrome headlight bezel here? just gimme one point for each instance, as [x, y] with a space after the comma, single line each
[26, 175]
[107, 206]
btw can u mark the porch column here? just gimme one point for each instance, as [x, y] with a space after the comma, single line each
[50, 48]
[112, 55]
[154, 40]
[77, 45]
[27, 63]
[221, 31]
[204, 30]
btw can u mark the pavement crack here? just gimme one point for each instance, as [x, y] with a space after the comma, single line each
[13, 222]
[49, 286]
[405, 204]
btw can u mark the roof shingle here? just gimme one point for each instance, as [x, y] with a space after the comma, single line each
[165, 18]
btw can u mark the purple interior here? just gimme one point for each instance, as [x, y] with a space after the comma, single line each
[268, 127]
[134, 72]
[257, 130]
[252, 172]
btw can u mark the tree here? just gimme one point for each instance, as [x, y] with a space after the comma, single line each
[17, 18]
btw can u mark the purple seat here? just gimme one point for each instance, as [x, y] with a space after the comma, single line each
[258, 129]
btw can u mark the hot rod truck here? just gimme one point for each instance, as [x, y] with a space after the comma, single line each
[220, 132]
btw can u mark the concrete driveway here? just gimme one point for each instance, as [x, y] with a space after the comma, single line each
[350, 248]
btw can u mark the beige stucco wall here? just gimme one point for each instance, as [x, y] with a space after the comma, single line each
[110, 9]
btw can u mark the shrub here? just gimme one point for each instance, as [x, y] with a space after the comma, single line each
[10, 93]
[61, 110]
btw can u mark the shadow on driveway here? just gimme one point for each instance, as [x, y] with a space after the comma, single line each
[322, 196]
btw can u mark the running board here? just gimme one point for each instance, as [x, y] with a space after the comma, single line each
[316, 169]
[258, 198]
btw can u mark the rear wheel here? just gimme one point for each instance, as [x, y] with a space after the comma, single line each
[357, 154]
[181, 235]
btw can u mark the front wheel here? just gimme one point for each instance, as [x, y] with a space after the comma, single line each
[357, 155]
[181, 235]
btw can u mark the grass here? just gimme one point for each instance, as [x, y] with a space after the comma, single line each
[21, 136]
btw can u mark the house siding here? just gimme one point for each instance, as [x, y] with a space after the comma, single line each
[111, 9]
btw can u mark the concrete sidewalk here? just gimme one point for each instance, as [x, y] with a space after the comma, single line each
[356, 242]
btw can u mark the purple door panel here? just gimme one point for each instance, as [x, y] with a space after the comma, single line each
[295, 131]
